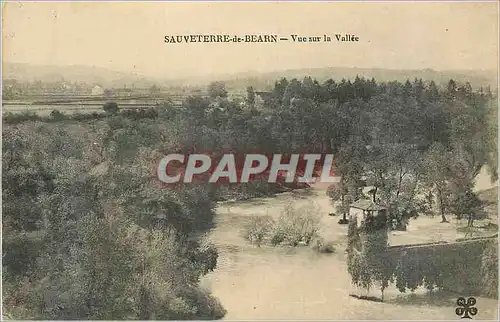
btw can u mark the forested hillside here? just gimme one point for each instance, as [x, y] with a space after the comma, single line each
[262, 81]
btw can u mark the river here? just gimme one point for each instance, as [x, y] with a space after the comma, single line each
[284, 283]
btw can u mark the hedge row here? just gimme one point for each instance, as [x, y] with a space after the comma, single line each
[465, 267]
[57, 116]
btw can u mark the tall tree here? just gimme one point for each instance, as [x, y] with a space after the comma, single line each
[436, 177]
[250, 96]
[217, 89]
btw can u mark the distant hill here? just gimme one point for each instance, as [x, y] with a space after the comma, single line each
[261, 81]
[76, 73]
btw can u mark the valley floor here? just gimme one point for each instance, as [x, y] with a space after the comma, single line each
[298, 283]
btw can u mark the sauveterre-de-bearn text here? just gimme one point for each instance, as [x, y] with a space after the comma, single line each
[257, 38]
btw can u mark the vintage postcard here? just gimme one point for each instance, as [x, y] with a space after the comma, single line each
[250, 160]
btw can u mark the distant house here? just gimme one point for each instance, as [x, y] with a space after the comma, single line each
[66, 86]
[364, 208]
[97, 90]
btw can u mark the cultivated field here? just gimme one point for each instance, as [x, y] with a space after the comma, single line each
[44, 104]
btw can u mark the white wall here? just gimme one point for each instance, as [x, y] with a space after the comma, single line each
[356, 213]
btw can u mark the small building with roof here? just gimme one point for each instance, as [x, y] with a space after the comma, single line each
[97, 90]
[363, 209]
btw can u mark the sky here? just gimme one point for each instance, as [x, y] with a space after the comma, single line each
[130, 36]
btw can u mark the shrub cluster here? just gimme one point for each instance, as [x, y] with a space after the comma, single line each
[293, 226]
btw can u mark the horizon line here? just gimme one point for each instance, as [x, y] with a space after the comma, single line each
[228, 74]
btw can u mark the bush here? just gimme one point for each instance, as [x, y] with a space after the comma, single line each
[252, 189]
[110, 107]
[203, 306]
[86, 116]
[258, 229]
[57, 115]
[324, 247]
[333, 191]
[295, 225]
[141, 113]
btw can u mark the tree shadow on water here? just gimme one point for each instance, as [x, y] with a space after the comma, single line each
[242, 203]
[434, 298]
[303, 193]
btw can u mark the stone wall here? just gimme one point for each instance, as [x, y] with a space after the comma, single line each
[468, 267]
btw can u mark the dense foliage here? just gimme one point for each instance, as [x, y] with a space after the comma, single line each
[89, 234]
[367, 246]
[417, 147]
